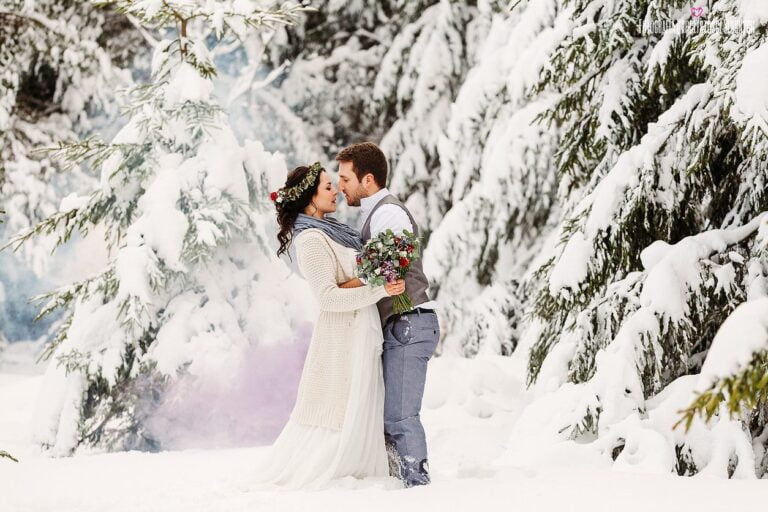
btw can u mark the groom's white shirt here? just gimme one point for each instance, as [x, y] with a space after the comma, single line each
[389, 216]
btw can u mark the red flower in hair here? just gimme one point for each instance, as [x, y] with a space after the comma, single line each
[273, 196]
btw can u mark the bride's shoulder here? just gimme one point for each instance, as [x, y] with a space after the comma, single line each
[310, 234]
[310, 237]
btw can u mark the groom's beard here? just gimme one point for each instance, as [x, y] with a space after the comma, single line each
[354, 198]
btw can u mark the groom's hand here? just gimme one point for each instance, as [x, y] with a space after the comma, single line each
[395, 287]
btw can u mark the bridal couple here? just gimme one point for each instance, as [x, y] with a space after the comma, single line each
[358, 403]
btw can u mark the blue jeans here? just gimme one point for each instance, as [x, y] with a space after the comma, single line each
[409, 342]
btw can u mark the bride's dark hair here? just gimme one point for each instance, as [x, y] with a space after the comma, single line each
[288, 211]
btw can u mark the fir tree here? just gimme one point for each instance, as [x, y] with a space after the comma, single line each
[662, 145]
[322, 73]
[734, 376]
[415, 86]
[56, 84]
[184, 208]
[496, 176]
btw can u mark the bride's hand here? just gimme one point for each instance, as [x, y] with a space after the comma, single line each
[395, 288]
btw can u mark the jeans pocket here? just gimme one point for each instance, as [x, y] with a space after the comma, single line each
[428, 326]
[426, 334]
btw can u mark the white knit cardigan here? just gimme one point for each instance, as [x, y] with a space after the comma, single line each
[347, 316]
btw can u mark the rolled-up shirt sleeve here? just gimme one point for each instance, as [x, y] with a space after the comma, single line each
[390, 216]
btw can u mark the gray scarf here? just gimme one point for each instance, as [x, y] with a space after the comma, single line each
[338, 231]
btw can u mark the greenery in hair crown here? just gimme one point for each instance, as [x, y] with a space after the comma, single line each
[286, 194]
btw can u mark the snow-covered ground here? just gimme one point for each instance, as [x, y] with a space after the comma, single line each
[470, 409]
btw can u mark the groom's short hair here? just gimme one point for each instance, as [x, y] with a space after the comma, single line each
[366, 157]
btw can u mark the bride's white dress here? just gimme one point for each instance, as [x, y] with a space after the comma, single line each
[309, 457]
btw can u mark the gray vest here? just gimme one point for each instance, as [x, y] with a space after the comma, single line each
[416, 282]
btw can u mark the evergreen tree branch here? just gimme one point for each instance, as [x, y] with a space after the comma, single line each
[5, 455]
[64, 223]
[745, 390]
[91, 149]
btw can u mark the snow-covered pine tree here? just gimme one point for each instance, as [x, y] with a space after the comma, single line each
[416, 84]
[388, 73]
[663, 163]
[318, 74]
[736, 369]
[57, 74]
[343, 87]
[497, 174]
[734, 376]
[183, 207]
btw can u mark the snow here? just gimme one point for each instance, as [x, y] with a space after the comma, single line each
[662, 50]
[744, 333]
[654, 253]
[675, 269]
[604, 203]
[72, 202]
[151, 7]
[187, 85]
[649, 439]
[223, 159]
[726, 278]
[481, 458]
[754, 10]
[205, 338]
[571, 269]
[751, 95]
[616, 86]
[259, 162]
[615, 393]
[161, 225]
[128, 134]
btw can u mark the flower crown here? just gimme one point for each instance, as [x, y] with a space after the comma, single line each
[286, 194]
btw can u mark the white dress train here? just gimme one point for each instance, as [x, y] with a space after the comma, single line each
[310, 457]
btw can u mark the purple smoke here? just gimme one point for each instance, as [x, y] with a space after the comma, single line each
[249, 409]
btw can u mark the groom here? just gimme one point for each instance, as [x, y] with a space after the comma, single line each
[409, 338]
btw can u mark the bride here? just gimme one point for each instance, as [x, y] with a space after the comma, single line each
[336, 428]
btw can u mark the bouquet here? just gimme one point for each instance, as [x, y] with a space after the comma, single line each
[386, 258]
